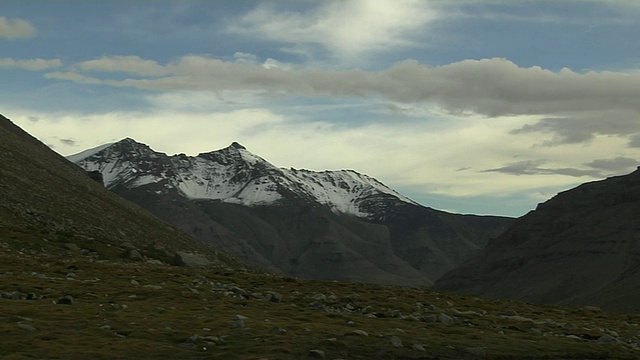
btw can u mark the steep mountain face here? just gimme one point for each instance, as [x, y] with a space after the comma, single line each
[49, 205]
[582, 247]
[339, 225]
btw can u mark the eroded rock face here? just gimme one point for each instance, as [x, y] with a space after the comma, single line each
[579, 248]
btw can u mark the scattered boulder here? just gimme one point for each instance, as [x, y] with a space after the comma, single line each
[439, 318]
[277, 330]
[395, 341]
[607, 340]
[11, 295]
[317, 354]
[65, 300]
[240, 321]
[192, 260]
[360, 332]
[274, 296]
[72, 246]
[135, 255]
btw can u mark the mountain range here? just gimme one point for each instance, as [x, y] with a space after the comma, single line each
[337, 225]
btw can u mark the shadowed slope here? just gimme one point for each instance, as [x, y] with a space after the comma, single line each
[580, 247]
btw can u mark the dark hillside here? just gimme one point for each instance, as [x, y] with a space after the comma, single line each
[582, 247]
[48, 204]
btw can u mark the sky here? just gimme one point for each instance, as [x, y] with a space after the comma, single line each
[479, 107]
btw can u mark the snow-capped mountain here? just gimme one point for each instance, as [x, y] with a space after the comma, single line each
[235, 175]
[334, 225]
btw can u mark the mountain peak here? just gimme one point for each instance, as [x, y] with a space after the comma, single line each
[237, 145]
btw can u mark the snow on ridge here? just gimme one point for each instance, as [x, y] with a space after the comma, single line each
[235, 175]
[87, 153]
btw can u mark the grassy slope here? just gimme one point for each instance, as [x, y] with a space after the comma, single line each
[151, 322]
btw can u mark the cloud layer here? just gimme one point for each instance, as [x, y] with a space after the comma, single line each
[573, 107]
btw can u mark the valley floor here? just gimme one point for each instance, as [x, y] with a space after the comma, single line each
[83, 309]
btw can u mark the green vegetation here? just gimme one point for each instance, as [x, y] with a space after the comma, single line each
[140, 310]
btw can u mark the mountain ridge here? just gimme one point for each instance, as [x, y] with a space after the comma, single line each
[333, 224]
[235, 170]
[581, 247]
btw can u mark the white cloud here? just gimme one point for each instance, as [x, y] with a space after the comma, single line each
[573, 107]
[133, 65]
[347, 29]
[30, 64]
[492, 87]
[570, 107]
[16, 29]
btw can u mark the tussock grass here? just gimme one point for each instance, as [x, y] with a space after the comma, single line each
[113, 318]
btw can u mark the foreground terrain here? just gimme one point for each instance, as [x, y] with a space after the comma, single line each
[74, 306]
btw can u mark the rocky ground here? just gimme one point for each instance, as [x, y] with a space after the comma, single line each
[75, 306]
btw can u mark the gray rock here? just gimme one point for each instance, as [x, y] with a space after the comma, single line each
[360, 332]
[11, 295]
[135, 282]
[317, 354]
[192, 260]
[395, 341]
[240, 321]
[135, 255]
[418, 347]
[319, 297]
[439, 318]
[65, 300]
[238, 290]
[274, 296]
[570, 325]
[32, 296]
[72, 246]
[607, 340]
[277, 330]
[214, 340]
